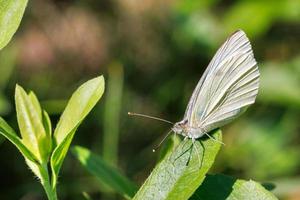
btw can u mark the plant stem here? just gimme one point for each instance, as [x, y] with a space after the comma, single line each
[51, 192]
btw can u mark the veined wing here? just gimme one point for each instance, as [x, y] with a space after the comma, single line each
[227, 87]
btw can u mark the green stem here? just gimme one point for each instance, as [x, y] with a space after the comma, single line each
[51, 192]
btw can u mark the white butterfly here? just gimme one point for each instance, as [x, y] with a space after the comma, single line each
[228, 86]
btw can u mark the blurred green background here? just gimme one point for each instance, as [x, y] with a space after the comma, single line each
[153, 53]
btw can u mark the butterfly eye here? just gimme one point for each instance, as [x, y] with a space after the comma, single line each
[185, 122]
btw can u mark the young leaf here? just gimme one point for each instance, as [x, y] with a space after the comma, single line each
[58, 155]
[35, 102]
[32, 130]
[35, 168]
[80, 104]
[11, 13]
[220, 187]
[104, 172]
[47, 123]
[10, 134]
[179, 174]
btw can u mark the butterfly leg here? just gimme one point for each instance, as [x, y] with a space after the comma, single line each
[185, 149]
[185, 141]
[197, 151]
[212, 138]
[174, 158]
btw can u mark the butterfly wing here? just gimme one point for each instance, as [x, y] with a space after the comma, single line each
[228, 86]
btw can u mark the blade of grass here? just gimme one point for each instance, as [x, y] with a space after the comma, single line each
[112, 113]
[111, 127]
[105, 173]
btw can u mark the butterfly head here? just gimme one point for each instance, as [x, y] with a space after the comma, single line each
[179, 127]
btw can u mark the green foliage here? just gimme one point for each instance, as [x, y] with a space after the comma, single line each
[183, 37]
[221, 187]
[113, 103]
[10, 134]
[29, 117]
[80, 104]
[284, 90]
[256, 17]
[35, 128]
[11, 13]
[244, 11]
[180, 173]
[169, 146]
[273, 143]
[7, 64]
[104, 172]
[186, 7]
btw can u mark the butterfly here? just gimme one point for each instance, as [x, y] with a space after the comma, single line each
[228, 86]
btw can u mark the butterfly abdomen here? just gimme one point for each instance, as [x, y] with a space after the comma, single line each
[194, 132]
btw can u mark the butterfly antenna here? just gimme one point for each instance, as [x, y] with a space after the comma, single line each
[210, 137]
[148, 116]
[162, 141]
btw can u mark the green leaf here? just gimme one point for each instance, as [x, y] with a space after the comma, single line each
[11, 13]
[80, 104]
[47, 123]
[169, 146]
[221, 187]
[179, 174]
[35, 102]
[35, 168]
[106, 173]
[10, 134]
[58, 155]
[34, 136]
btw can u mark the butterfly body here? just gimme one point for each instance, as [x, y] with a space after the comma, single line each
[228, 86]
[184, 129]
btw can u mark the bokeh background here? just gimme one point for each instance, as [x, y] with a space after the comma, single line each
[153, 53]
